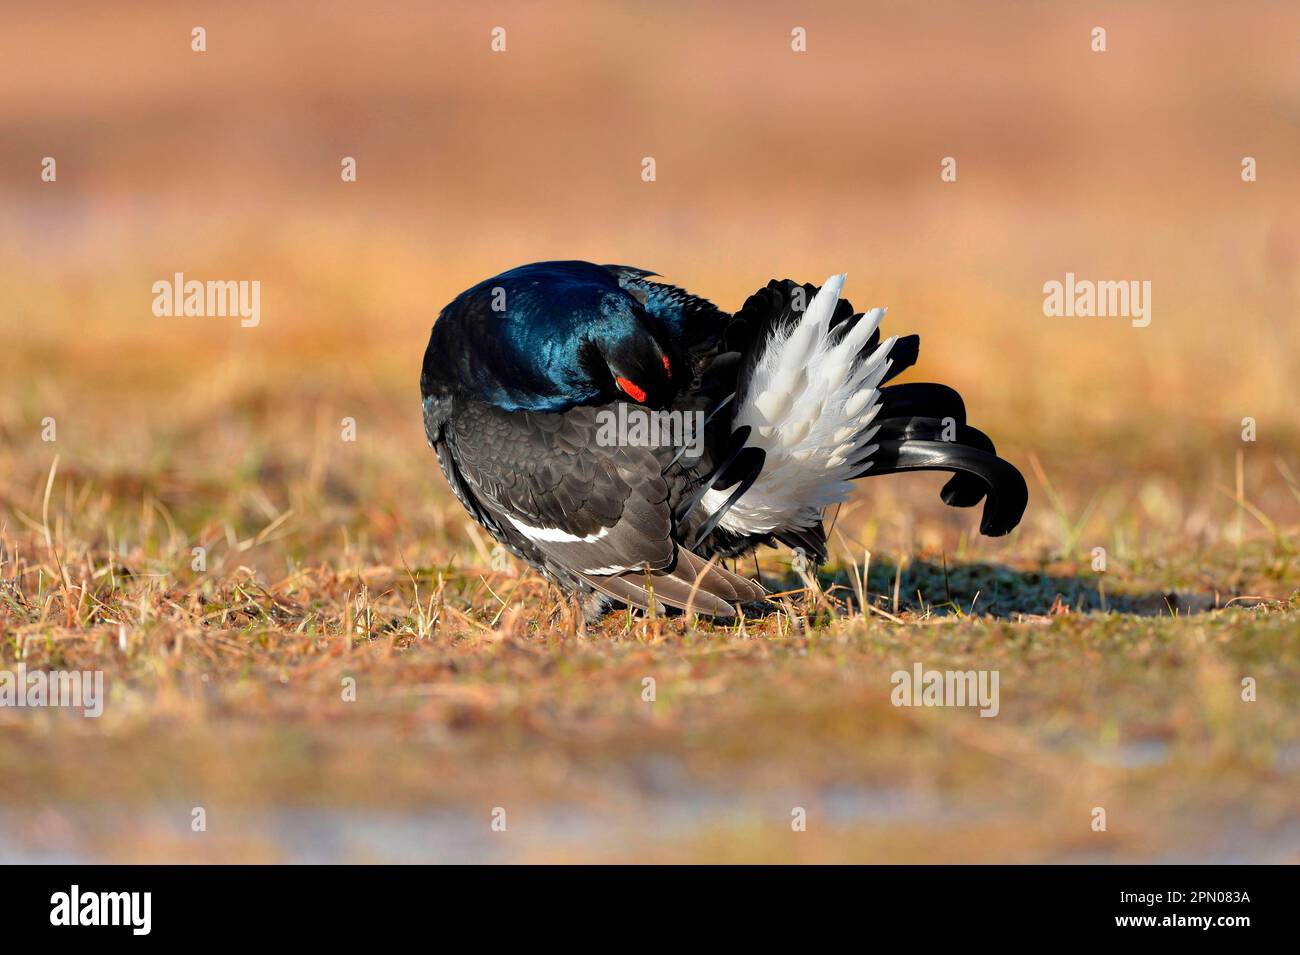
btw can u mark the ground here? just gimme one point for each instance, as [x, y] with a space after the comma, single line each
[350, 679]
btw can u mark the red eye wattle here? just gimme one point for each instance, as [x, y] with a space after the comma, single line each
[636, 394]
[667, 367]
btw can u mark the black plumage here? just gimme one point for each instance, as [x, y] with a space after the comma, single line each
[523, 371]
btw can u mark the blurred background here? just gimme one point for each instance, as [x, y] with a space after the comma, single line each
[225, 164]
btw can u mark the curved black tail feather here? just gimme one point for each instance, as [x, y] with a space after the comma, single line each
[921, 399]
[1007, 493]
[962, 490]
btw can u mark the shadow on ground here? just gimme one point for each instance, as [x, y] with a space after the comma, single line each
[997, 590]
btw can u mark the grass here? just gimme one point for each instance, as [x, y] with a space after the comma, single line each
[325, 560]
[331, 567]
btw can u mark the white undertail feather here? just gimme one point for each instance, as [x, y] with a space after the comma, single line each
[810, 408]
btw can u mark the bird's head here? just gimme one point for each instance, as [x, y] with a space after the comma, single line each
[549, 336]
[630, 359]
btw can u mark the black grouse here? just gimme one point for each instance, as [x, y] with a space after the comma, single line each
[548, 392]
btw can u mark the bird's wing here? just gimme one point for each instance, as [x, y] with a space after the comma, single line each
[590, 508]
[600, 511]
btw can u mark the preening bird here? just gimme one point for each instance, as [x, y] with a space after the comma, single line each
[523, 380]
